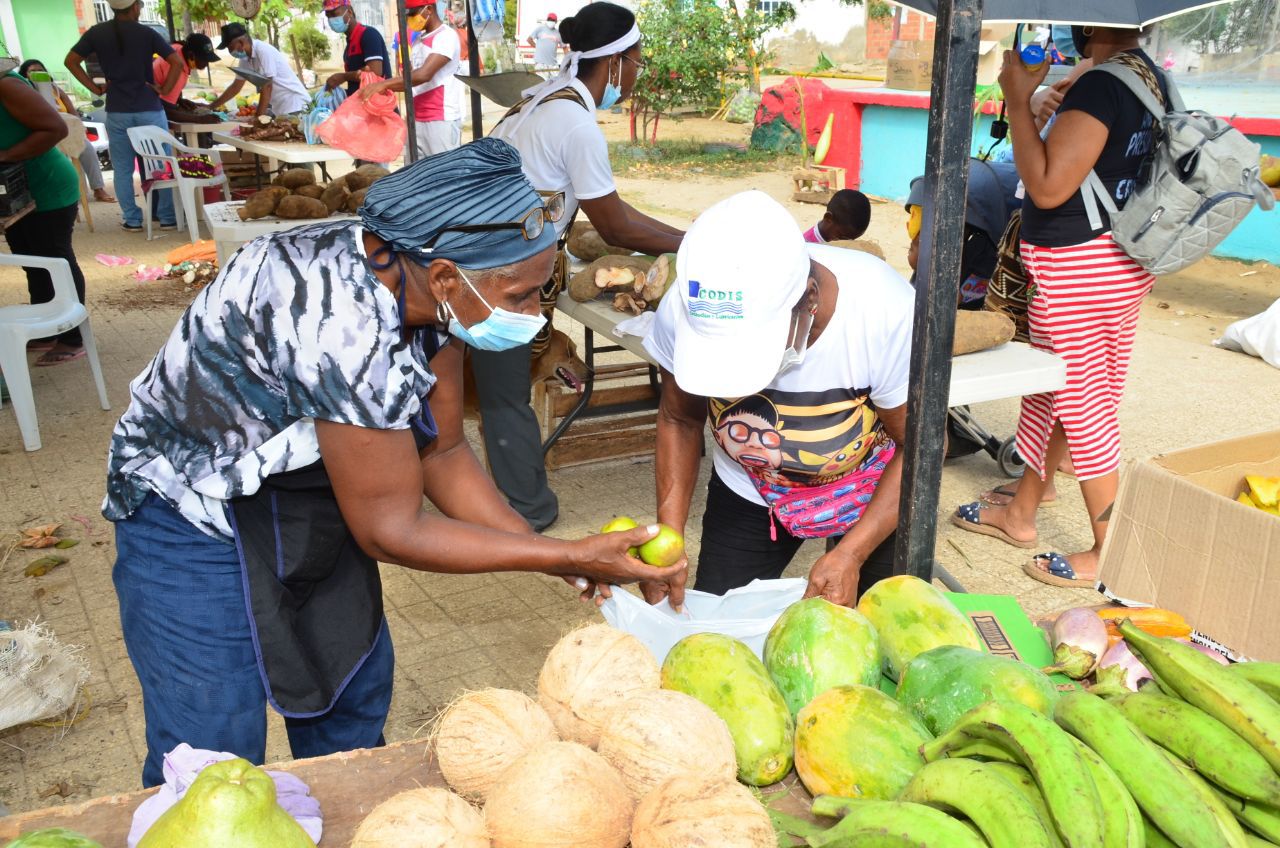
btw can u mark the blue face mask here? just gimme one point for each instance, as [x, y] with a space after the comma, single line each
[338, 24]
[239, 54]
[502, 330]
[612, 94]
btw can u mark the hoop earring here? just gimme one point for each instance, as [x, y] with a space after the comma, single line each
[442, 315]
[1087, 32]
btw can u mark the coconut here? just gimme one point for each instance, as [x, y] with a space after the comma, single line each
[587, 674]
[657, 734]
[482, 733]
[559, 795]
[692, 810]
[422, 818]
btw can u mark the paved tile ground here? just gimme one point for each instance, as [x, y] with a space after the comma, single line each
[456, 633]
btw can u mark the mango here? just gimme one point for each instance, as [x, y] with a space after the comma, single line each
[815, 645]
[724, 674]
[619, 524]
[912, 616]
[663, 550]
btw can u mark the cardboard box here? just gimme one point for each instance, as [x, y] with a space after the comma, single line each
[910, 66]
[994, 39]
[1179, 540]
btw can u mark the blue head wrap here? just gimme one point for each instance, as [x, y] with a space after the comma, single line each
[478, 183]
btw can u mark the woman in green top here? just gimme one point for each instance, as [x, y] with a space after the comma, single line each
[29, 130]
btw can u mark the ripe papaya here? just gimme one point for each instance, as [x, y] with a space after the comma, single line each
[815, 645]
[857, 742]
[944, 683]
[724, 674]
[911, 617]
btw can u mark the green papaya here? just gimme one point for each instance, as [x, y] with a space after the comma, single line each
[728, 677]
[944, 683]
[815, 645]
[857, 742]
[52, 837]
[229, 803]
[912, 616]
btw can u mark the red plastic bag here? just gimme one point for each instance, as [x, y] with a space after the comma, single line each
[367, 129]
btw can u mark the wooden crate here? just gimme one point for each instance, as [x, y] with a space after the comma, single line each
[817, 183]
[597, 439]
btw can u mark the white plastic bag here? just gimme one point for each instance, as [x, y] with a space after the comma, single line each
[1256, 336]
[745, 614]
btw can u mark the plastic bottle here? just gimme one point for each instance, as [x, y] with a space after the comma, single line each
[1033, 57]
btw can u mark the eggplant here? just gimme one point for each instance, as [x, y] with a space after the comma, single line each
[1120, 671]
[1079, 641]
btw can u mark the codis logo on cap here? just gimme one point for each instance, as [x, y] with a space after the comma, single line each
[715, 304]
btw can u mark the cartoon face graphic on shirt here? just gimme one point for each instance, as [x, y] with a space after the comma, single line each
[748, 431]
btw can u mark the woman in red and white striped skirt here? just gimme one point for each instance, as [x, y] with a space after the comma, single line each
[1087, 293]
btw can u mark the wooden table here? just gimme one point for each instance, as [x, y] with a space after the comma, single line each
[347, 785]
[285, 152]
[6, 223]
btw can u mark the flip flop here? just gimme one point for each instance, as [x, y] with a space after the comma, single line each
[60, 357]
[40, 345]
[1057, 572]
[1007, 490]
[968, 517]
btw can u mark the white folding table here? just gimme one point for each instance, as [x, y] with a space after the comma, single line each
[229, 233]
[285, 152]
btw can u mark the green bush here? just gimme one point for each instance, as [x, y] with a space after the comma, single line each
[312, 45]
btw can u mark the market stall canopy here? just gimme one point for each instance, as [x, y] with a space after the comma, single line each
[506, 89]
[1117, 13]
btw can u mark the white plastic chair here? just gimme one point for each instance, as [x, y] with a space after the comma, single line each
[20, 324]
[150, 143]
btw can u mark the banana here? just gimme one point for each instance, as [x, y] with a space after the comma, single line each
[895, 824]
[1045, 751]
[1155, 838]
[1026, 784]
[1231, 699]
[1162, 791]
[1264, 675]
[974, 791]
[1204, 790]
[1257, 841]
[981, 748]
[1204, 743]
[1261, 819]
[1120, 812]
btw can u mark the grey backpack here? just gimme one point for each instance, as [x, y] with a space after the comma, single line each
[1202, 180]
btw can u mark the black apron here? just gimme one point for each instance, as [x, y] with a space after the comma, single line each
[314, 597]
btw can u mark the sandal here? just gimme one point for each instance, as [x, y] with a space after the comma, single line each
[1056, 571]
[40, 345]
[969, 517]
[58, 357]
[1008, 490]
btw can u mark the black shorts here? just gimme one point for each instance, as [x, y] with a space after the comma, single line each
[737, 547]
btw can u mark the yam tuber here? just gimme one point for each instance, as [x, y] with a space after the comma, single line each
[262, 203]
[658, 279]
[608, 275]
[295, 178]
[365, 176]
[355, 200]
[295, 207]
[866, 245]
[310, 191]
[628, 302]
[335, 195]
[977, 331]
[586, 244]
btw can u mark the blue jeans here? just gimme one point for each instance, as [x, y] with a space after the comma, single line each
[186, 627]
[123, 164]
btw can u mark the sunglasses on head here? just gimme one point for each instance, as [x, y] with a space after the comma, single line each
[530, 223]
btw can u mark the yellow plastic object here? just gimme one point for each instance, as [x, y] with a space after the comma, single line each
[1265, 491]
[915, 220]
[824, 141]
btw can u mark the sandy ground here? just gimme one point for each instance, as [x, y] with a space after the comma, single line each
[454, 633]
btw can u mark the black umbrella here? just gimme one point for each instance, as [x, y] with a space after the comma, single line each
[1119, 13]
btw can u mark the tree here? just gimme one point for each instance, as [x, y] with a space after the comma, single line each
[1228, 28]
[311, 43]
[750, 23]
[687, 49]
[269, 22]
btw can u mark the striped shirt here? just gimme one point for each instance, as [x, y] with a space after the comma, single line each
[295, 328]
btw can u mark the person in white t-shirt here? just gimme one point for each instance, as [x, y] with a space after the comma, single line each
[563, 150]
[282, 94]
[435, 58]
[797, 357]
[546, 43]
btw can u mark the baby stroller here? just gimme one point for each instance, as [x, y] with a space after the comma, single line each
[992, 198]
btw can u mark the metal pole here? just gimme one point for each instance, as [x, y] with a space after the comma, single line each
[406, 73]
[473, 69]
[168, 14]
[955, 70]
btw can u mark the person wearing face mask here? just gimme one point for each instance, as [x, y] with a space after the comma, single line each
[366, 49]
[280, 444]
[435, 57]
[563, 150]
[282, 94]
[197, 52]
[124, 49]
[797, 356]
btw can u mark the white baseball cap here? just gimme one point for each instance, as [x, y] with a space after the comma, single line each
[742, 267]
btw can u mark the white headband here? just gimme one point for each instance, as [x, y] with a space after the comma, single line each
[569, 71]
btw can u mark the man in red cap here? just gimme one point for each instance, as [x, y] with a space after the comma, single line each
[546, 43]
[366, 48]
